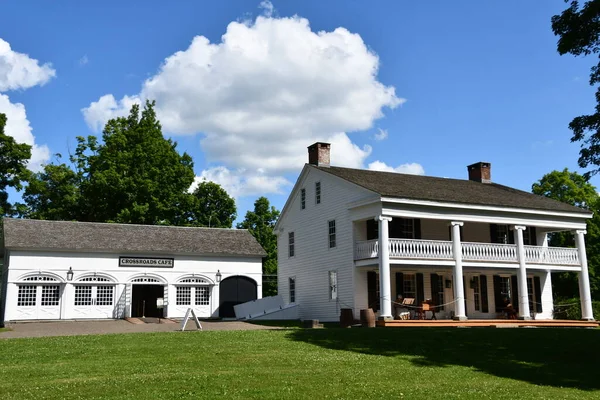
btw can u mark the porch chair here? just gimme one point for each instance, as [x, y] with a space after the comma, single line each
[403, 309]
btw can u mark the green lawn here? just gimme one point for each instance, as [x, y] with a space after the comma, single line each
[353, 363]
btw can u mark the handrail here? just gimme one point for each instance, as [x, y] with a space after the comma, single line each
[471, 251]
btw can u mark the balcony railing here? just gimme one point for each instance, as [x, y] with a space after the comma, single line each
[491, 252]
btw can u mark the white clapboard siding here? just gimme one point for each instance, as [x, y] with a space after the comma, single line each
[313, 258]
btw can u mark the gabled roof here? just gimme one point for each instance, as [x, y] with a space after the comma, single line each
[29, 234]
[419, 187]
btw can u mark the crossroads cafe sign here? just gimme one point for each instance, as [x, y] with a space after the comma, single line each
[146, 262]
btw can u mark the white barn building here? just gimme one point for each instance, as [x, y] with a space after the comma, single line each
[75, 270]
[358, 239]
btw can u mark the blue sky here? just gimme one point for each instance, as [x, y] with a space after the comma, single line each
[451, 83]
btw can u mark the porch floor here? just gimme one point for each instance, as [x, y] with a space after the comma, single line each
[494, 323]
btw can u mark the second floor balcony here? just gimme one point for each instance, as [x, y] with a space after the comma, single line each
[441, 250]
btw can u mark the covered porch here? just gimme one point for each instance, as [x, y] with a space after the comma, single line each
[477, 280]
[488, 323]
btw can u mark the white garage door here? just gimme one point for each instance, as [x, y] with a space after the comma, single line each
[39, 301]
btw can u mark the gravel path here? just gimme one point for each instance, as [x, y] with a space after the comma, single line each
[71, 328]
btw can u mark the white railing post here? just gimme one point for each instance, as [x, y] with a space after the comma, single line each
[584, 278]
[459, 290]
[385, 286]
[522, 275]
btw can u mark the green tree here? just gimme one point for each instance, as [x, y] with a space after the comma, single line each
[260, 223]
[578, 29]
[54, 194]
[134, 176]
[210, 205]
[13, 167]
[573, 188]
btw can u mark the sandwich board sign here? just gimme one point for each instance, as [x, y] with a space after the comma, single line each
[190, 312]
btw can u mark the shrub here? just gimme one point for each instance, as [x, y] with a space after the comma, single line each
[571, 309]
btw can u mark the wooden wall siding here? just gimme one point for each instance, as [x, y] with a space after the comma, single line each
[314, 258]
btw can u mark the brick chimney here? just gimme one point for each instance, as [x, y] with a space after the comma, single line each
[318, 154]
[480, 172]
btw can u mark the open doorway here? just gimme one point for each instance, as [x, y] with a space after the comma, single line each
[143, 301]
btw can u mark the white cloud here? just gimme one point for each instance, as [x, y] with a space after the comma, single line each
[17, 126]
[105, 108]
[83, 60]
[382, 134]
[263, 94]
[240, 183]
[19, 71]
[267, 8]
[410, 168]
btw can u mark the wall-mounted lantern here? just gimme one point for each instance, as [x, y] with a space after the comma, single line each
[70, 274]
[219, 276]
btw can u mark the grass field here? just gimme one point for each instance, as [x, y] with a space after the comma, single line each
[425, 363]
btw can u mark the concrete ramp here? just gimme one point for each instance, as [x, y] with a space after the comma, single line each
[267, 308]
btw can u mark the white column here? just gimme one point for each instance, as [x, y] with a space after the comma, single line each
[524, 312]
[459, 290]
[584, 278]
[385, 287]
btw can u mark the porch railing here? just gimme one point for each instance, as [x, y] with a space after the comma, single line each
[442, 250]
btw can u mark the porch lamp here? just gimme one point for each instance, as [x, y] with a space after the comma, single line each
[70, 274]
[219, 276]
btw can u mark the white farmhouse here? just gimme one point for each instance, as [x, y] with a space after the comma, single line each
[76, 270]
[359, 239]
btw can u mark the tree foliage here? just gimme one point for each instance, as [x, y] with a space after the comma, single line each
[573, 188]
[134, 175]
[261, 223]
[578, 29]
[13, 167]
[210, 205]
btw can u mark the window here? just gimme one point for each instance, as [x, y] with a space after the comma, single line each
[505, 290]
[332, 285]
[291, 248]
[302, 198]
[331, 234]
[183, 296]
[317, 192]
[476, 293]
[501, 234]
[26, 297]
[402, 228]
[292, 284]
[410, 286]
[83, 295]
[104, 295]
[202, 296]
[529, 236]
[50, 295]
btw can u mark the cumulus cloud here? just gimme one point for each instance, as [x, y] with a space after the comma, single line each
[240, 183]
[267, 8]
[381, 134]
[19, 71]
[259, 97]
[17, 126]
[83, 60]
[409, 168]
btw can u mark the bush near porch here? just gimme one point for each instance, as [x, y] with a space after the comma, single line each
[571, 309]
[426, 363]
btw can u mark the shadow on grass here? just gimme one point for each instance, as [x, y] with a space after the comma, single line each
[559, 357]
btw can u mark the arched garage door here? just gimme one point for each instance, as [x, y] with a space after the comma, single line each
[235, 290]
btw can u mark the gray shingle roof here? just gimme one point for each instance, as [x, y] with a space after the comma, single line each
[101, 237]
[419, 187]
